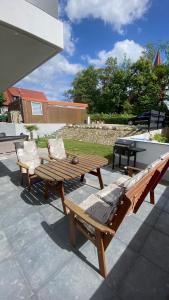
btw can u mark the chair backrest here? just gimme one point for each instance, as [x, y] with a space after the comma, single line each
[27, 153]
[137, 193]
[56, 148]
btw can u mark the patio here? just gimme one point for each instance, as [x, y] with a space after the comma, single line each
[37, 261]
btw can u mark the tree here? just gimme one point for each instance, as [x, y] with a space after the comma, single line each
[85, 88]
[1, 98]
[147, 84]
[31, 128]
[113, 87]
[128, 87]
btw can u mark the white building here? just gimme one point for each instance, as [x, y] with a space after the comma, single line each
[30, 34]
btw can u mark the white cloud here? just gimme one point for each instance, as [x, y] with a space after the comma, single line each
[69, 42]
[116, 12]
[127, 48]
[53, 77]
[56, 66]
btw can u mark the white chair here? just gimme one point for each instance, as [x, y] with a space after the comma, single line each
[28, 159]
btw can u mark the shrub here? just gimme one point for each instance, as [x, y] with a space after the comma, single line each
[111, 118]
[160, 138]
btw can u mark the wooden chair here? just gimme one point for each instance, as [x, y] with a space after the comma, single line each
[56, 148]
[102, 234]
[28, 159]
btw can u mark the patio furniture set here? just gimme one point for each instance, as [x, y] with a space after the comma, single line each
[99, 216]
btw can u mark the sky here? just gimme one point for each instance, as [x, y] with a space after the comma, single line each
[95, 30]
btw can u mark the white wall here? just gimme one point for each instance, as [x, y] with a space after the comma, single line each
[8, 128]
[17, 129]
[32, 20]
[49, 6]
[153, 149]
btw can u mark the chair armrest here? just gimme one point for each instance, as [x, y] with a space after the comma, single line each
[42, 158]
[70, 154]
[83, 215]
[22, 165]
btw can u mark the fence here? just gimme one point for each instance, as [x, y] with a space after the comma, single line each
[156, 120]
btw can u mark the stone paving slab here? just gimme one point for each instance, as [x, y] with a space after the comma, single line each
[145, 281]
[37, 261]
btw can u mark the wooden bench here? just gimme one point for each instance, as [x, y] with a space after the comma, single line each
[130, 200]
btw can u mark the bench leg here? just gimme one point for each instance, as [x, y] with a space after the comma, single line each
[152, 198]
[72, 229]
[101, 253]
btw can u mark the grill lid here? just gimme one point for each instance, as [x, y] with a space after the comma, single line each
[127, 143]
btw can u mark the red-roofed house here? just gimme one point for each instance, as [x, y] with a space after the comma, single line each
[34, 107]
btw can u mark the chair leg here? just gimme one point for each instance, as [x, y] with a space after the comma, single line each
[101, 253]
[152, 197]
[21, 178]
[72, 229]
[29, 182]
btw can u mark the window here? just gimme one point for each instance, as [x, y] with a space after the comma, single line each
[36, 109]
[15, 98]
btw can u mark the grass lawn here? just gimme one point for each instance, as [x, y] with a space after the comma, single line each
[77, 147]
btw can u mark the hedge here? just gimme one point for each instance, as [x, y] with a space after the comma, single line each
[111, 118]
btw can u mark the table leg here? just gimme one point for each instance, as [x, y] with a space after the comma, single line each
[113, 160]
[100, 178]
[135, 159]
[82, 178]
[119, 160]
[128, 158]
[60, 189]
[46, 193]
[98, 174]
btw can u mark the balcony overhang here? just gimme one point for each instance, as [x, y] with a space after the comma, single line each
[29, 37]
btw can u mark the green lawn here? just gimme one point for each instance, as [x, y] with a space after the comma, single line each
[77, 147]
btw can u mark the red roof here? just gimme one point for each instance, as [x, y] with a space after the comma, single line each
[68, 104]
[30, 95]
[157, 61]
[25, 94]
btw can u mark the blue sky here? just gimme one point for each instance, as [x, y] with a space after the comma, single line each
[95, 30]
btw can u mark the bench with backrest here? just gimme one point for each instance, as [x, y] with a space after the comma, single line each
[99, 216]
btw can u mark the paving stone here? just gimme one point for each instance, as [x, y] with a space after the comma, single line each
[145, 281]
[12, 282]
[133, 232]
[5, 248]
[25, 231]
[162, 223]
[156, 249]
[8, 199]
[14, 213]
[42, 258]
[119, 260]
[75, 281]
[51, 213]
[147, 213]
[38, 232]
[166, 206]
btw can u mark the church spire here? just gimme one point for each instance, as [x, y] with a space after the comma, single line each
[157, 61]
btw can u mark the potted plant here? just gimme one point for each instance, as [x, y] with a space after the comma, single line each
[31, 128]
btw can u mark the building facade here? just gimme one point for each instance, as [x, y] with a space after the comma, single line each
[29, 106]
[30, 34]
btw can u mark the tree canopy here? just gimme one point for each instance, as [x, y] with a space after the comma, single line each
[129, 87]
[1, 98]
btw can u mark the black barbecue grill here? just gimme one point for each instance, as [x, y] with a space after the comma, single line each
[125, 148]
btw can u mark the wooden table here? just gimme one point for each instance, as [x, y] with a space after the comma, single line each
[57, 171]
